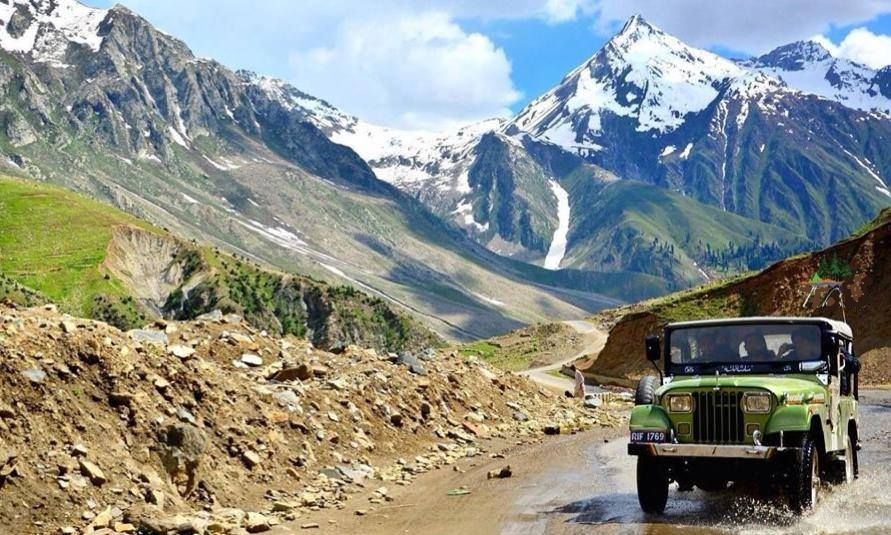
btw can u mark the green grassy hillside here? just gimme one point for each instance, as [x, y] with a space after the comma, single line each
[54, 241]
[648, 229]
[55, 246]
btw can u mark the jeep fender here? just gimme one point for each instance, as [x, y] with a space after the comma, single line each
[797, 418]
[649, 417]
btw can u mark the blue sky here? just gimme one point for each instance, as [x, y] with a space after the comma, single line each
[441, 63]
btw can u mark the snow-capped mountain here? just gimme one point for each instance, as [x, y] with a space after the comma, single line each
[747, 137]
[809, 67]
[44, 29]
[651, 166]
[476, 177]
[411, 160]
[738, 136]
[643, 74]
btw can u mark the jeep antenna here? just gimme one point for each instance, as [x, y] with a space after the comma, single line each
[834, 286]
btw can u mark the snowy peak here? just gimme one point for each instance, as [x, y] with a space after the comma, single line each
[635, 29]
[793, 57]
[643, 74]
[809, 67]
[44, 28]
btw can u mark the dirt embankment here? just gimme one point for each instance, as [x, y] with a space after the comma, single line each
[100, 429]
[778, 290]
[146, 263]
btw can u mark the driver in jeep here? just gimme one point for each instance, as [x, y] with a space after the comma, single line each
[803, 347]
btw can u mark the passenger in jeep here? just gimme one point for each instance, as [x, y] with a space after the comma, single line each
[756, 348]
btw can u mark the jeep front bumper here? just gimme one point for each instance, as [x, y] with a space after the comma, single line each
[733, 451]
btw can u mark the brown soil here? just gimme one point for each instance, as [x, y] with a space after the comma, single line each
[184, 425]
[778, 290]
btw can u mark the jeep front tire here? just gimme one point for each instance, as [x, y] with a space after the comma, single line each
[804, 485]
[652, 485]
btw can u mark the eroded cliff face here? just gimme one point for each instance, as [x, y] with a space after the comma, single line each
[171, 278]
[149, 264]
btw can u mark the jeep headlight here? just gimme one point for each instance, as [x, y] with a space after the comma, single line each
[757, 402]
[680, 403]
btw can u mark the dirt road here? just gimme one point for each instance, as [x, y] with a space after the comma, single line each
[595, 339]
[585, 484]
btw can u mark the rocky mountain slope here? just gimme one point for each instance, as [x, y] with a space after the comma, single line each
[216, 427]
[863, 262]
[98, 262]
[101, 102]
[791, 139]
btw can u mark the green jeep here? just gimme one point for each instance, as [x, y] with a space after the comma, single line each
[768, 402]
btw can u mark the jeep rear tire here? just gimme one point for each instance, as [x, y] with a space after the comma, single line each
[804, 483]
[652, 485]
[646, 390]
[844, 470]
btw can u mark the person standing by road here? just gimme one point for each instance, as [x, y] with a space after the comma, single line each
[579, 391]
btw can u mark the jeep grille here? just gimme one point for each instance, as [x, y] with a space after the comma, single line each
[718, 417]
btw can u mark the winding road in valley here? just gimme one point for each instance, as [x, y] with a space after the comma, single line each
[595, 339]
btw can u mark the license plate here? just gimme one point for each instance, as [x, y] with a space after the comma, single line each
[648, 436]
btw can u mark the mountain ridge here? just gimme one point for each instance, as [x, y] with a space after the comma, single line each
[188, 144]
[461, 218]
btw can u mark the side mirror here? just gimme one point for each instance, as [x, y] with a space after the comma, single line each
[654, 352]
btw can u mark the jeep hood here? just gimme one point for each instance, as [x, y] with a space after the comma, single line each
[777, 385]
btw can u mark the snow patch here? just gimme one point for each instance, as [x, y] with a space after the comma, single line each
[225, 166]
[177, 137]
[150, 157]
[883, 187]
[465, 209]
[558, 244]
[189, 199]
[488, 299]
[667, 150]
[278, 235]
[686, 153]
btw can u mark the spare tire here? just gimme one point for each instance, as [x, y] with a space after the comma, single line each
[646, 390]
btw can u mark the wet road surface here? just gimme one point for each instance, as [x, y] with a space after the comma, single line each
[597, 494]
[585, 484]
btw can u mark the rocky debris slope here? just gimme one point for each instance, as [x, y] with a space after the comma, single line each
[212, 426]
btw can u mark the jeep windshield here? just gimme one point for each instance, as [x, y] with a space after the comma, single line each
[742, 348]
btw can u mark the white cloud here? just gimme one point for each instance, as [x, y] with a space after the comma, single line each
[862, 46]
[556, 11]
[413, 71]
